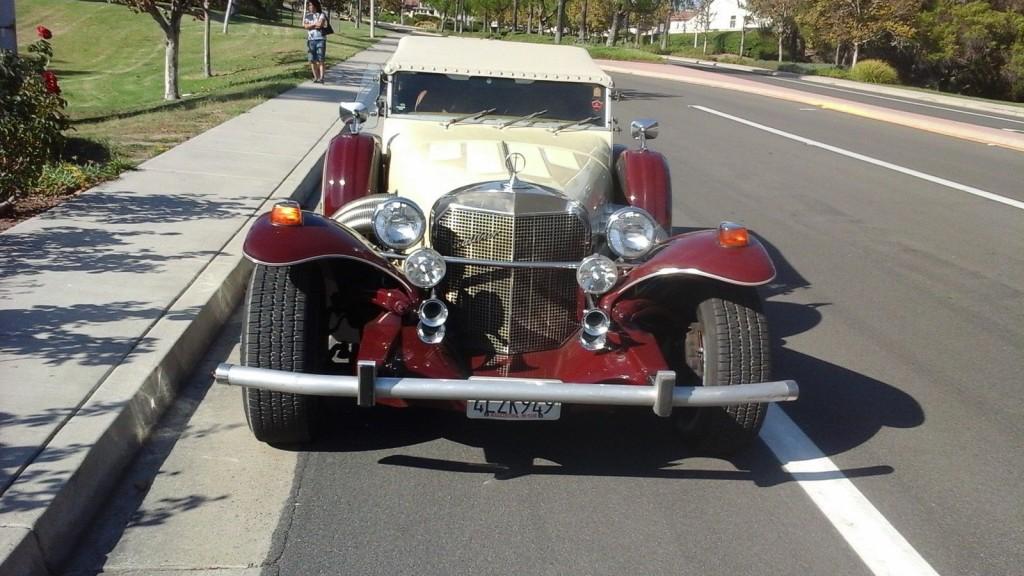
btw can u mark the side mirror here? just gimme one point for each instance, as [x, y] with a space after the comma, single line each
[642, 129]
[353, 114]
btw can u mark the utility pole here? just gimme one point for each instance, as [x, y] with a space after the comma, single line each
[373, 16]
[8, 32]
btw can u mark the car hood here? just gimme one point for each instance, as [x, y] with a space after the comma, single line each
[426, 160]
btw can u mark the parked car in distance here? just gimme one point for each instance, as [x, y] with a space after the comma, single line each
[492, 251]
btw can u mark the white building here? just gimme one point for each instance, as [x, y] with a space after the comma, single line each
[725, 15]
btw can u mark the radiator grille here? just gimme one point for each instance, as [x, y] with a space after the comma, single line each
[511, 311]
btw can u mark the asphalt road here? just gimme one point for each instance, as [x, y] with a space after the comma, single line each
[967, 115]
[899, 308]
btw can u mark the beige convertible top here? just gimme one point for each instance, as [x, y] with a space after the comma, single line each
[479, 57]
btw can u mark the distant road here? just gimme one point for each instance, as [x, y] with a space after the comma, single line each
[977, 117]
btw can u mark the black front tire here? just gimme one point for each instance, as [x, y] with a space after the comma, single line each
[727, 345]
[284, 330]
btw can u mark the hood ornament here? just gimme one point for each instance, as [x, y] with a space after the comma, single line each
[515, 163]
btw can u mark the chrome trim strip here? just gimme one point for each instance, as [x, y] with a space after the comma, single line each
[692, 272]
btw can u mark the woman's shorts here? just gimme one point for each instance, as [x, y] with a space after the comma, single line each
[316, 50]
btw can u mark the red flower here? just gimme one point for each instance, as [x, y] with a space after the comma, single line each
[44, 32]
[50, 82]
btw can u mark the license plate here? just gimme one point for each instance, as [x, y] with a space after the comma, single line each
[508, 410]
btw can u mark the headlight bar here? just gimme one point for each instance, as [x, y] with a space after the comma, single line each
[508, 264]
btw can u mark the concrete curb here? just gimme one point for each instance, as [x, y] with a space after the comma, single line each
[894, 92]
[719, 65]
[980, 134]
[96, 445]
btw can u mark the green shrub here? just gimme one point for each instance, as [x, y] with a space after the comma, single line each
[31, 118]
[63, 177]
[832, 73]
[874, 72]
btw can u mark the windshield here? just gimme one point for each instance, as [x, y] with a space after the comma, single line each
[452, 95]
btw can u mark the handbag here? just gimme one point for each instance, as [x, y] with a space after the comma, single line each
[327, 29]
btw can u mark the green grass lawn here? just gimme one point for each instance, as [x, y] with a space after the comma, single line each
[110, 62]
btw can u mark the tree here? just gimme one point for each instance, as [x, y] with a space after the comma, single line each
[168, 15]
[560, 21]
[780, 14]
[972, 48]
[703, 18]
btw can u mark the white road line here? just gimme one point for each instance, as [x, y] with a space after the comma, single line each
[1014, 130]
[882, 163]
[958, 111]
[880, 546]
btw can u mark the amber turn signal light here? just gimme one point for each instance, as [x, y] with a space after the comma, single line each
[286, 213]
[733, 235]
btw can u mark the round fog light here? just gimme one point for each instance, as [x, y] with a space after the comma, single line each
[597, 274]
[424, 268]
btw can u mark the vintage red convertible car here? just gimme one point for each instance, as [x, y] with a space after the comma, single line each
[492, 251]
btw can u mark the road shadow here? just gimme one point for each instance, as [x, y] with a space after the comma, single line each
[624, 443]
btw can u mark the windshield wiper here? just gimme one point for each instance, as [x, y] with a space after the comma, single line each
[472, 116]
[576, 124]
[522, 119]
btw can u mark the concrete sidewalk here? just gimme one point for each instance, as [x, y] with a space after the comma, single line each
[109, 299]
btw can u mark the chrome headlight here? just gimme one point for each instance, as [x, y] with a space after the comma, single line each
[597, 274]
[398, 223]
[631, 232]
[424, 268]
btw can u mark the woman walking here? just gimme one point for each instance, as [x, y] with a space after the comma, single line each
[316, 43]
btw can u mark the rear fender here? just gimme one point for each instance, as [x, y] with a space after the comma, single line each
[351, 170]
[644, 179]
[698, 255]
[318, 238]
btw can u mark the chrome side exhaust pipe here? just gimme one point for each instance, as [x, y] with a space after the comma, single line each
[433, 314]
[595, 329]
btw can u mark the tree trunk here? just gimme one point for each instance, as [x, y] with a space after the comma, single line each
[695, 34]
[856, 54]
[705, 50]
[743, 35]
[664, 33]
[780, 44]
[583, 22]
[559, 21]
[207, 70]
[171, 37]
[613, 34]
[515, 16]
[529, 18]
[838, 46]
[359, 12]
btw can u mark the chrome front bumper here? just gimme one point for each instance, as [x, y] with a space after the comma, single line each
[366, 387]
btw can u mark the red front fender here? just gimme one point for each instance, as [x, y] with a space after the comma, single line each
[316, 239]
[698, 254]
[645, 182]
[350, 170]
